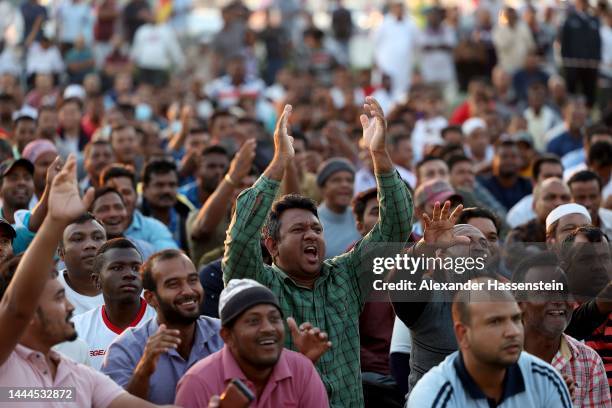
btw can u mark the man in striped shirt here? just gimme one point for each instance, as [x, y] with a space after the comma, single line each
[545, 317]
[490, 368]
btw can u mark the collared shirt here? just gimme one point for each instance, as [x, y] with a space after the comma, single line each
[338, 295]
[583, 364]
[563, 144]
[150, 230]
[530, 382]
[190, 191]
[294, 382]
[125, 352]
[27, 367]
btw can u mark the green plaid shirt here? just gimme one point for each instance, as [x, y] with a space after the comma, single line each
[335, 302]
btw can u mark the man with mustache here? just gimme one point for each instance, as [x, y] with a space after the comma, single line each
[16, 187]
[35, 314]
[253, 331]
[545, 318]
[116, 273]
[490, 368]
[161, 201]
[77, 250]
[148, 361]
[327, 293]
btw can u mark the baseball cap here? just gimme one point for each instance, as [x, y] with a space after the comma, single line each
[25, 112]
[472, 124]
[8, 228]
[8, 165]
[75, 91]
[434, 190]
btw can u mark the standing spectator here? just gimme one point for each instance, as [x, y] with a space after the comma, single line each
[75, 18]
[156, 52]
[71, 137]
[212, 165]
[342, 27]
[581, 50]
[229, 40]
[586, 187]
[44, 57]
[135, 14]
[527, 75]
[34, 16]
[512, 40]
[394, 42]
[505, 184]
[79, 61]
[228, 90]
[315, 57]
[44, 92]
[540, 117]
[336, 179]
[544, 36]
[436, 43]
[107, 14]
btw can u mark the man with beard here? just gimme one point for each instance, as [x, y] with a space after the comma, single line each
[336, 179]
[108, 208]
[505, 183]
[77, 249]
[35, 315]
[16, 187]
[253, 331]
[97, 155]
[160, 198]
[213, 165]
[545, 318]
[116, 273]
[490, 368]
[328, 293]
[148, 361]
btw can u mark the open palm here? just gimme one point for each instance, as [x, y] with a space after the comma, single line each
[283, 143]
[65, 203]
[374, 125]
[438, 230]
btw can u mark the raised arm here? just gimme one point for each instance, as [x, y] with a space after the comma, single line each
[243, 258]
[20, 300]
[215, 208]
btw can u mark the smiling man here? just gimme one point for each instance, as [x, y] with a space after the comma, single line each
[253, 331]
[545, 317]
[327, 293]
[77, 249]
[16, 187]
[116, 273]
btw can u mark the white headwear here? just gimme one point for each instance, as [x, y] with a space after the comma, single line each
[564, 210]
[472, 124]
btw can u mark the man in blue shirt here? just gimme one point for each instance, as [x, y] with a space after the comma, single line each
[575, 114]
[490, 369]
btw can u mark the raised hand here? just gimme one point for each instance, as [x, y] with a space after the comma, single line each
[65, 202]
[374, 126]
[309, 340]
[438, 230]
[53, 170]
[242, 162]
[283, 143]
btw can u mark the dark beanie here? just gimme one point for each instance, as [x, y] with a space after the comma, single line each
[240, 295]
[332, 166]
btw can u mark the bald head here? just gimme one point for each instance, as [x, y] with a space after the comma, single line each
[548, 194]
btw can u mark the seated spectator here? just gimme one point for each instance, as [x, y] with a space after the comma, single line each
[228, 90]
[77, 249]
[478, 143]
[585, 187]
[336, 179]
[576, 159]
[97, 155]
[41, 153]
[431, 168]
[43, 57]
[529, 74]
[212, 165]
[24, 129]
[124, 140]
[79, 61]
[427, 130]
[574, 115]
[115, 273]
[426, 196]
[274, 375]
[16, 187]
[109, 208]
[71, 137]
[544, 167]
[160, 199]
[504, 183]
[563, 220]
[545, 318]
[490, 366]
[44, 92]
[139, 226]
[35, 315]
[7, 235]
[540, 117]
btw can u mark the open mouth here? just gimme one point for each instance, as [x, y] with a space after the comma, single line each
[557, 312]
[267, 342]
[188, 303]
[312, 253]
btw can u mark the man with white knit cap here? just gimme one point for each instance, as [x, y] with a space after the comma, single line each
[253, 331]
[564, 219]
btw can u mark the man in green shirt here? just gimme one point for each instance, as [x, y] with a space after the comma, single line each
[328, 293]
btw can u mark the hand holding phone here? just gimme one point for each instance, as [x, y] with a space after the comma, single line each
[236, 395]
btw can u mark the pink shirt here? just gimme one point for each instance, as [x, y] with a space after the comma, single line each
[294, 382]
[28, 368]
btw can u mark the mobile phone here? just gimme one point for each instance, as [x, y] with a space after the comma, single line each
[236, 395]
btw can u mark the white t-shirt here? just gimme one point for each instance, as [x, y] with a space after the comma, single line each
[77, 350]
[98, 332]
[400, 339]
[81, 303]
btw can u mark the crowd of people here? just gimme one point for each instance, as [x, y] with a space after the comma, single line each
[185, 221]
